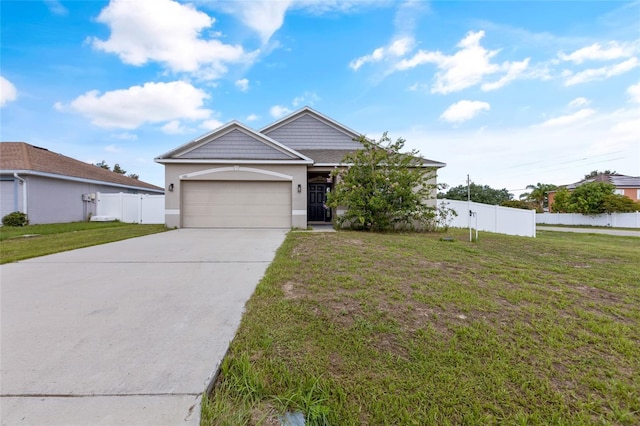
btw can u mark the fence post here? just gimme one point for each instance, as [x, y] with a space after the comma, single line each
[495, 215]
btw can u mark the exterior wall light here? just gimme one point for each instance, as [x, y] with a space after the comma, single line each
[299, 188]
[170, 187]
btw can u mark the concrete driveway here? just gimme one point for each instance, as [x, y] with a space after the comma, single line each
[125, 333]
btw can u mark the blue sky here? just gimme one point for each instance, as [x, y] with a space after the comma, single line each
[512, 93]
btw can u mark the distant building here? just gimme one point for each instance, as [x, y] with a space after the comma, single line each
[52, 188]
[625, 185]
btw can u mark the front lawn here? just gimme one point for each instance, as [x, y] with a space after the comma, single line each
[18, 243]
[361, 328]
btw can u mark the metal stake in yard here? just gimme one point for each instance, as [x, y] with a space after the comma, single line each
[469, 204]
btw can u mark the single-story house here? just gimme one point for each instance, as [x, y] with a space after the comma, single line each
[278, 177]
[625, 185]
[52, 188]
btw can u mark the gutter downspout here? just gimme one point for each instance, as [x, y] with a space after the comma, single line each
[24, 192]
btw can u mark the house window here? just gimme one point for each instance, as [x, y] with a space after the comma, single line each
[619, 191]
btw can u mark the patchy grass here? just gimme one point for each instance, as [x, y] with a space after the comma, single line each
[20, 243]
[359, 328]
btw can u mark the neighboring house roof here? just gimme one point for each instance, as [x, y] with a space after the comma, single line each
[234, 142]
[620, 181]
[20, 157]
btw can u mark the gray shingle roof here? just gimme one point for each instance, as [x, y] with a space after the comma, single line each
[620, 181]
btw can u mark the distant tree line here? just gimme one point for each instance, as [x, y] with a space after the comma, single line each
[116, 169]
[588, 198]
[479, 194]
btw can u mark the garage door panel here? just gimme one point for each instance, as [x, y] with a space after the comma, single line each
[228, 204]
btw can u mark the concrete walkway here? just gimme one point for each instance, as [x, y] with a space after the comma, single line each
[125, 333]
[618, 232]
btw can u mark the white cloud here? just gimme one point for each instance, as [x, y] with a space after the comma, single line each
[514, 70]
[308, 98]
[211, 124]
[167, 32]
[596, 52]
[125, 136]
[112, 148]
[278, 111]
[263, 16]
[8, 91]
[174, 127]
[150, 103]
[252, 117]
[579, 102]
[464, 110]
[602, 73]
[418, 86]
[564, 120]
[634, 93]
[578, 148]
[465, 68]
[242, 84]
[395, 49]
[56, 7]
[630, 128]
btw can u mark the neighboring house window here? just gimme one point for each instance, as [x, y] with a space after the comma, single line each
[638, 197]
[619, 191]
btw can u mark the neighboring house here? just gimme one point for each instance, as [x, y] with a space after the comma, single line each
[625, 185]
[52, 188]
[279, 176]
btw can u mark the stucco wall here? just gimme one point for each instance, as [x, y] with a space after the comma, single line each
[633, 193]
[175, 174]
[58, 201]
[51, 200]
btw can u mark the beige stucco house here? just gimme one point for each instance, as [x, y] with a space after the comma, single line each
[277, 177]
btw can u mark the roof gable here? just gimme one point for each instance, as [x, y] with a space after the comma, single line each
[307, 129]
[22, 157]
[233, 141]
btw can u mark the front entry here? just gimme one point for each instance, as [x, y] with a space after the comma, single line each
[316, 210]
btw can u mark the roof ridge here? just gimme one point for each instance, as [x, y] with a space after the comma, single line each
[26, 154]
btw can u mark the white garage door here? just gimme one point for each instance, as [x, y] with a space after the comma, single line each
[229, 204]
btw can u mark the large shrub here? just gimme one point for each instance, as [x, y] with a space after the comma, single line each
[593, 198]
[15, 219]
[382, 188]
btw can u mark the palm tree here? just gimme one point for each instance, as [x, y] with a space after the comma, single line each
[539, 195]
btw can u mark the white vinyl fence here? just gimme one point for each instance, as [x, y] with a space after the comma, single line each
[501, 220]
[615, 220]
[131, 208]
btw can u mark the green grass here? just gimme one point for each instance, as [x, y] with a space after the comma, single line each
[18, 243]
[359, 328]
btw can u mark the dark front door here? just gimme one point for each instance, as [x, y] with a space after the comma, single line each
[317, 197]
